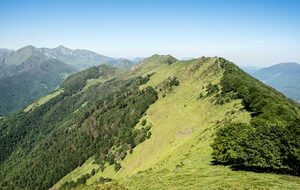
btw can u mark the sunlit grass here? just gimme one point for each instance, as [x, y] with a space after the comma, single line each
[43, 100]
[178, 154]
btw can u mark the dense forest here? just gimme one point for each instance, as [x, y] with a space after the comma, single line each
[271, 141]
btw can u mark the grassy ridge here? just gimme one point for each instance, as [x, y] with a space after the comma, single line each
[178, 154]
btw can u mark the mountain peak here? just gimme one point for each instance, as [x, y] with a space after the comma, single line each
[162, 58]
[154, 61]
[287, 64]
[64, 49]
[28, 48]
[284, 67]
[61, 47]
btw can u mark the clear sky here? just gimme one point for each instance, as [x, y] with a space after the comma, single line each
[248, 32]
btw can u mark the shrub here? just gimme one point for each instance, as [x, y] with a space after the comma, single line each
[210, 89]
[144, 121]
[104, 180]
[117, 166]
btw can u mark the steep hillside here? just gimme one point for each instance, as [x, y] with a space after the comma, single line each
[27, 74]
[41, 145]
[167, 124]
[285, 77]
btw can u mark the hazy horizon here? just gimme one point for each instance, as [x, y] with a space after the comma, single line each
[252, 33]
[140, 57]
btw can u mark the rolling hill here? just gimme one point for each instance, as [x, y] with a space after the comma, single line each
[167, 124]
[285, 77]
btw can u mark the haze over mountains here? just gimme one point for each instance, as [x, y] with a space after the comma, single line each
[83, 59]
[29, 73]
[284, 77]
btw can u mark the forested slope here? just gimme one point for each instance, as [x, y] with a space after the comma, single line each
[41, 146]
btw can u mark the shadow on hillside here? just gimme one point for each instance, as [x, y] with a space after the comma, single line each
[235, 167]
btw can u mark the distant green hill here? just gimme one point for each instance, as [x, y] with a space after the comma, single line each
[285, 77]
[30, 73]
[27, 74]
[165, 124]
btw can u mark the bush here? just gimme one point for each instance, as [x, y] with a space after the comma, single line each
[267, 148]
[117, 167]
[93, 172]
[144, 121]
[104, 180]
[174, 81]
[210, 89]
[200, 96]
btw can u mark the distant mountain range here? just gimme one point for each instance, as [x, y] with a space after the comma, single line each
[285, 77]
[83, 59]
[29, 73]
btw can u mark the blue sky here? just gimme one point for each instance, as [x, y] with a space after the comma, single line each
[247, 32]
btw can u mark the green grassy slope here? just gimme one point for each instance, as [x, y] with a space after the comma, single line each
[178, 154]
